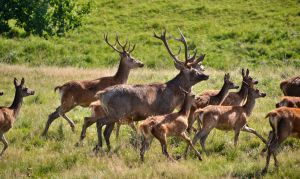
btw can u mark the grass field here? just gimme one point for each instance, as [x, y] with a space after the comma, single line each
[260, 35]
[31, 155]
[231, 33]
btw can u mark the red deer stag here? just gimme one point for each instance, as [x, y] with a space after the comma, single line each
[82, 93]
[207, 98]
[8, 115]
[227, 118]
[137, 102]
[291, 87]
[289, 101]
[163, 126]
[285, 122]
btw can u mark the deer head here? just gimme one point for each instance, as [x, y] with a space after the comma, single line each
[248, 79]
[191, 68]
[256, 93]
[229, 83]
[21, 89]
[125, 51]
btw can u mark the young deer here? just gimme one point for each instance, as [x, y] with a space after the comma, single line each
[289, 101]
[163, 126]
[291, 87]
[285, 122]
[227, 118]
[8, 115]
[82, 93]
[207, 98]
[98, 112]
[137, 102]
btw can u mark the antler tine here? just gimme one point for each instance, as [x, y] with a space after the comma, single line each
[198, 60]
[183, 40]
[112, 46]
[132, 48]
[191, 59]
[164, 40]
[128, 47]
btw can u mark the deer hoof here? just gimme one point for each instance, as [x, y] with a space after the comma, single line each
[264, 171]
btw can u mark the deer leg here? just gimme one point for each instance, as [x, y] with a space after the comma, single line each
[71, 123]
[5, 143]
[88, 121]
[163, 143]
[189, 142]
[236, 136]
[145, 146]
[118, 130]
[271, 133]
[264, 171]
[107, 132]
[51, 118]
[250, 130]
[99, 132]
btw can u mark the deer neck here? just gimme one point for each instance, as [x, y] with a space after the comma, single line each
[179, 82]
[244, 90]
[122, 73]
[16, 104]
[186, 107]
[222, 94]
[249, 105]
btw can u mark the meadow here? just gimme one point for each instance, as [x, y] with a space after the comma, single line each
[56, 156]
[260, 35]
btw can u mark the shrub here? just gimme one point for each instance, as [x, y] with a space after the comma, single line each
[42, 17]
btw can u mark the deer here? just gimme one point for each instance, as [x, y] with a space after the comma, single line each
[227, 118]
[137, 102]
[289, 101]
[97, 112]
[291, 87]
[207, 98]
[8, 115]
[285, 122]
[82, 93]
[163, 126]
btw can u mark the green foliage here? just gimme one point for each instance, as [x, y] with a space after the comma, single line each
[42, 17]
[251, 33]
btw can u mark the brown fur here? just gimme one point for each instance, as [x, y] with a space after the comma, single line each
[82, 93]
[210, 98]
[289, 101]
[285, 122]
[163, 126]
[8, 115]
[137, 102]
[291, 87]
[227, 118]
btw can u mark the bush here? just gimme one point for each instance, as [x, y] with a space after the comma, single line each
[42, 17]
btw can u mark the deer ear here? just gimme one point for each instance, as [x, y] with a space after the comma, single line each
[22, 82]
[15, 82]
[179, 66]
[243, 72]
[247, 72]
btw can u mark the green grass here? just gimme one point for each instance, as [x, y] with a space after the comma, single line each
[231, 33]
[56, 157]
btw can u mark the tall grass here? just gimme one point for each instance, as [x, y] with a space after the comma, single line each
[230, 32]
[56, 157]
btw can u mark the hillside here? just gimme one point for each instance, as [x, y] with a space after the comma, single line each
[231, 33]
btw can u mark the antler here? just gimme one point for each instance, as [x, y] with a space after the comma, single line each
[164, 40]
[112, 46]
[119, 43]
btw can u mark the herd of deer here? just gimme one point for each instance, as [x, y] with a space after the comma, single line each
[113, 101]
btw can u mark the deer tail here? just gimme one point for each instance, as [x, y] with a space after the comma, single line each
[57, 88]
